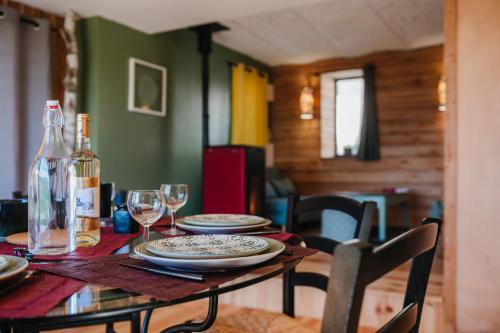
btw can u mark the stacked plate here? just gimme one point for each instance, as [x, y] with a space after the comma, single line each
[209, 252]
[11, 272]
[222, 223]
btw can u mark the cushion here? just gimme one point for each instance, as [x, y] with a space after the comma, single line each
[283, 186]
[276, 210]
[272, 173]
[338, 225]
[258, 321]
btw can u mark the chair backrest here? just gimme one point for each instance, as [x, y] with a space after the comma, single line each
[362, 213]
[358, 264]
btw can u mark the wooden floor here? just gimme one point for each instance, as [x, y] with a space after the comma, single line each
[166, 317]
[382, 300]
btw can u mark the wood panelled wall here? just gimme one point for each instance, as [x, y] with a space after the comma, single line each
[58, 47]
[411, 129]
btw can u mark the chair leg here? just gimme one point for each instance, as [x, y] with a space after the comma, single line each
[201, 326]
[288, 294]
[145, 322]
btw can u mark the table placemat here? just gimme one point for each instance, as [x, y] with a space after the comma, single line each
[37, 295]
[108, 244]
[108, 271]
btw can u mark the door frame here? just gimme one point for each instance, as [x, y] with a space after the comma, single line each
[450, 165]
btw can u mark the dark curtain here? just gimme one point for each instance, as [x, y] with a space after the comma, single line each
[24, 88]
[369, 148]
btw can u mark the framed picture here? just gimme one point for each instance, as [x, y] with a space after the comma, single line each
[147, 86]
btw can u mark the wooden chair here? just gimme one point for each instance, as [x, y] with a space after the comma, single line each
[356, 265]
[353, 217]
[359, 215]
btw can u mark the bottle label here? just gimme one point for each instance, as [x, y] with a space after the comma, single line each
[87, 196]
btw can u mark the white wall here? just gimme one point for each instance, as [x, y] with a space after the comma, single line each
[478, 133]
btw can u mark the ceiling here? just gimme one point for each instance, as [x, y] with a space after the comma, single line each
[281, 31]
[335, 28]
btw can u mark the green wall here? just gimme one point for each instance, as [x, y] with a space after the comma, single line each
[138, 151]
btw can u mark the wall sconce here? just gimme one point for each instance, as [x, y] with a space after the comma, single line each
[442, 93]
[307, 103]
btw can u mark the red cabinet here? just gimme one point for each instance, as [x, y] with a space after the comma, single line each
[233, 180]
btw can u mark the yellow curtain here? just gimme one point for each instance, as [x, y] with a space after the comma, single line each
[249, 110]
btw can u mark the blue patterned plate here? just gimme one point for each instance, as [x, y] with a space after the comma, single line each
[211, 264]
[208, 246]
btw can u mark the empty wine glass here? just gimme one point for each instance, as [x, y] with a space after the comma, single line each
[174, 196]
[146, 207]
[113, 194]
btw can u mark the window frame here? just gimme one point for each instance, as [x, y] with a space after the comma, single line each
[328, 101]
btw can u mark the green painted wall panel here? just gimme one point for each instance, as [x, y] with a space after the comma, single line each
[139, 151]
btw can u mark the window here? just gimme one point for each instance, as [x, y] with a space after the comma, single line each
[341, 112]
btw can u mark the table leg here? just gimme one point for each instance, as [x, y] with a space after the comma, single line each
[201, 326]
[110, 328]
[382, 221]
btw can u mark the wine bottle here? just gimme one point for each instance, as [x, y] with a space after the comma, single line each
[87, 189]
[51, 219]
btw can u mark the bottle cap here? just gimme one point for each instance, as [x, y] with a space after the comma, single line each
[53, 114]
[82, 125]
[52, 103]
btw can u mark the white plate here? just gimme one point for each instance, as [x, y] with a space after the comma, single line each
[225, 220]
[207, 246]
[16, 266]
[220, 230]
[275, 248]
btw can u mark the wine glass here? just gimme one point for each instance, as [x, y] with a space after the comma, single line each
[113, 194]
[175, 197]
[146, 207]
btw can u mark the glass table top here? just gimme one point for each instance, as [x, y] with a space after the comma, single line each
[92, 299]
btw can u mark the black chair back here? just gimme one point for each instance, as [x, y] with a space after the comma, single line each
[358, 264]
[363, 213]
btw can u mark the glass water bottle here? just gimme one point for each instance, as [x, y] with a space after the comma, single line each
[51, 204]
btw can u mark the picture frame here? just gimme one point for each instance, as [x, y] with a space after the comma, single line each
[147, 87]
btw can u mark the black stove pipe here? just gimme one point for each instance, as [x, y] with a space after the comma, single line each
[204, 33]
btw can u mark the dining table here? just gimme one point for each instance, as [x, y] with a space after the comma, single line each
[95, 303]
